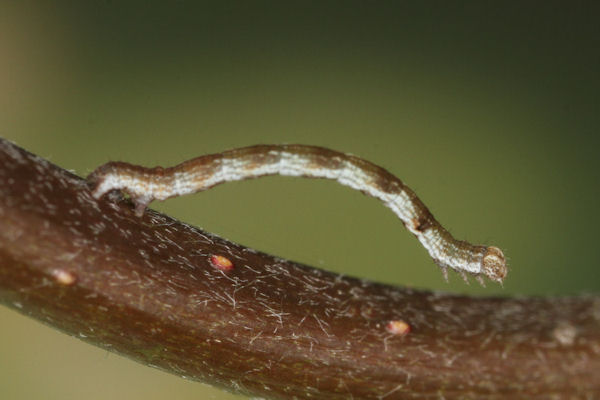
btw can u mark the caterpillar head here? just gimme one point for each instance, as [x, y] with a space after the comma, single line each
[493, 264]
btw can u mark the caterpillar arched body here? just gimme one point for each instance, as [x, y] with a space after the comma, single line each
[147, 184]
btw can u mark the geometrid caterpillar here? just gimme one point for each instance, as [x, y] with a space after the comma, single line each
[146, 184]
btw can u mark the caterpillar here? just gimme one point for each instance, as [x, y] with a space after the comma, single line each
[144, 185]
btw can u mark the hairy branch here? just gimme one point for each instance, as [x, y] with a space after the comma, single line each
[151, 289]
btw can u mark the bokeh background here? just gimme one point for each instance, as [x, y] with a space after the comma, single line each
[489, 111]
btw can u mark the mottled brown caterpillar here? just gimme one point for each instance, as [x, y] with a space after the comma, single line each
[144, 185]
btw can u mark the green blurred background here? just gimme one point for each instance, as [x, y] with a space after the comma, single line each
[490, 112]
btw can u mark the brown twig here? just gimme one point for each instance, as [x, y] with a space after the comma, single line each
[149, 288]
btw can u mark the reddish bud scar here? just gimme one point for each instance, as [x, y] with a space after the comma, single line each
[398, 327]
[221, 263]
[64, 277]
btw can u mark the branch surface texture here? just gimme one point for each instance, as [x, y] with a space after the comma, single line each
[174, 297]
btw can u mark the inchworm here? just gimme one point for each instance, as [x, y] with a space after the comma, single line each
[146, 184]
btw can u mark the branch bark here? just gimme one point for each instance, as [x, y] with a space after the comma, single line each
[146, 288]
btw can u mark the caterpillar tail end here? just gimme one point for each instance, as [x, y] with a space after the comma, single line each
[102, 182]
[141, 203]
[493, 264]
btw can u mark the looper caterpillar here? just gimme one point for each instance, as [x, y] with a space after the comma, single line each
[144, 185]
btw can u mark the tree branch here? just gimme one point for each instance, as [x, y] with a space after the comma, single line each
[148, 288]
